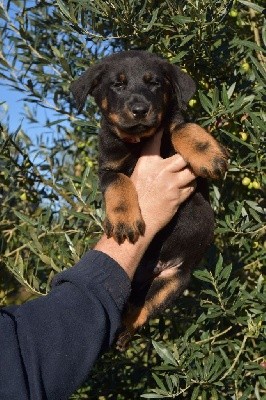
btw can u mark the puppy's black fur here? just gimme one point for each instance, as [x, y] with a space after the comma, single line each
[139, 93]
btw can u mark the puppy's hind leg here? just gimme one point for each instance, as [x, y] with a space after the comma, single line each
[165, 287]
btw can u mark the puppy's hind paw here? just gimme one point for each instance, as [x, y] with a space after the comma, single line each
[123, 340]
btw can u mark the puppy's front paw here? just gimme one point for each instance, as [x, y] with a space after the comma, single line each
[124, 224]
[210, 163]
[206, 157]
[123, 217]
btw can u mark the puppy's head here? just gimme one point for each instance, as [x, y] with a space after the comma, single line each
[135, 90]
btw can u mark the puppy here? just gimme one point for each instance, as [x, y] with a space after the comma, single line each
[139, 93]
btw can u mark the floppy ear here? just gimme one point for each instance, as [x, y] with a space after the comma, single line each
[85, 84]
[183, 85]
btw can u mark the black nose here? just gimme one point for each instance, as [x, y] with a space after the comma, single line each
[140, 110]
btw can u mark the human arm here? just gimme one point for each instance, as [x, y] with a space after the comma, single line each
[49, 345]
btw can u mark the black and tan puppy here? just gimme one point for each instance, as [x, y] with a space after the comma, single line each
[139, 93]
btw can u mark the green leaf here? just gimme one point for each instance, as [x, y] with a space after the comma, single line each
[255, 7]
[258, 66]
[224, 274]
[45, 258]
[153, 19]
[164, 353]
[179, 57]
[56, 122]
[186, 39]
[25, 218]
[181, 19]
[255, 215]
[215, 98]
[230, 91]
[225, 97]
[205, 102]
[236, 139]
[63, 9]
[190, 330]
[195, 393]
[56, 51]
[219, 266]
[246, 394]
[248, 44]
[203, 275]
[35, 240]
[82, 122]
[159, 382]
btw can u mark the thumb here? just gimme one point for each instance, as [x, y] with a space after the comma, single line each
[153, 146]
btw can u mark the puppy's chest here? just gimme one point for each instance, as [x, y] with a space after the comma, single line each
[117, 156]
[114, 155]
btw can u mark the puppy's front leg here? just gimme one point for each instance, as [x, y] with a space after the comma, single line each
[123, 216]
[206, 157]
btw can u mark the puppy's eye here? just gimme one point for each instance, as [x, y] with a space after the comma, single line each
[154, 84]
[119, 85]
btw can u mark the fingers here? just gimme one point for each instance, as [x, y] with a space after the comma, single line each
[185, 192]
[189, 187]
[185, 178]
[175, 163]
[153, 147]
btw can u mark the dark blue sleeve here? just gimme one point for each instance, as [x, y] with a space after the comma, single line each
[49, 345]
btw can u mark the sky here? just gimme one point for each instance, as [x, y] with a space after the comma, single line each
[13, 100]
[15, 112]
[37, 132]
[15, 105]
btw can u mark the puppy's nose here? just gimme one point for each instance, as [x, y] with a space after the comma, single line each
[140, 110]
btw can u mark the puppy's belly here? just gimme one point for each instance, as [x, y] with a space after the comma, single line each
[181, 245]
[167, 269]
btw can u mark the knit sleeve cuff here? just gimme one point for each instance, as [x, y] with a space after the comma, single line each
[97, 271]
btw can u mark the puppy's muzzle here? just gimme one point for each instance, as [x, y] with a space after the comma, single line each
[138, 107]
[140, 110]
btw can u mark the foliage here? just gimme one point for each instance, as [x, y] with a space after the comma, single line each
[51, 208]
[227, 362]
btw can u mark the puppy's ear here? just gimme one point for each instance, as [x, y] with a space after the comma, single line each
[183, 85]
[86, 84]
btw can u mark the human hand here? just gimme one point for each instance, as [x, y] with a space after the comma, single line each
[162, 185]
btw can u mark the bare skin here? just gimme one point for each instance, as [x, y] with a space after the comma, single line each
[162, 186]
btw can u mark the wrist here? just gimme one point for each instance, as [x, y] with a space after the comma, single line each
[127, 255]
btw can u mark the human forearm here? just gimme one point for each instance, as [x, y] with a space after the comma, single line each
[127, 255]
[49, 345]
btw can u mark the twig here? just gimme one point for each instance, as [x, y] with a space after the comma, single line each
[39, 237]
[261, 229]
[256, 263]
[214, 337]
[228, 372]
[255, 30]
[49, 182]
[218, 293]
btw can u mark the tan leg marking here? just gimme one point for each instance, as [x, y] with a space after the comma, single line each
[204, 154]
[136, 317]
[123, 217]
